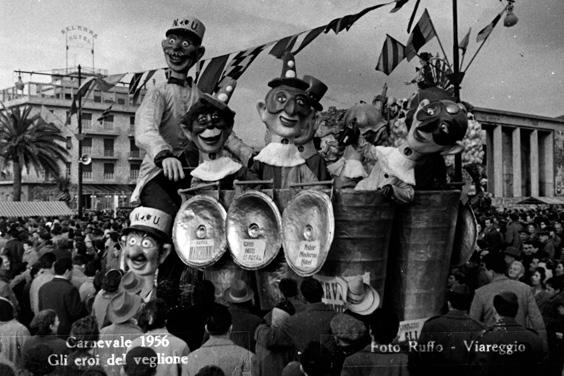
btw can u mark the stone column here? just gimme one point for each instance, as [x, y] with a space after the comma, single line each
[534, 158]
[517, 173]
[548, 164]
[498, 161]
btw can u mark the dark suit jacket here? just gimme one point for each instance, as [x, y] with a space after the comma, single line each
[244, 325]
[61, 296]
[451, 331]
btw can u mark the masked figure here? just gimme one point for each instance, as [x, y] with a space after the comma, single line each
[147, 244]
[208, 124]
[437, 128]
[287, 111]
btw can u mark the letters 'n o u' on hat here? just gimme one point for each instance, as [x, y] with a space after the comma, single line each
[188, 24]
[362, 299]
[123, 307]
[131, 283]
[238, 292]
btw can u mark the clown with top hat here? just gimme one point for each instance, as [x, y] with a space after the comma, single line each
[288, 111]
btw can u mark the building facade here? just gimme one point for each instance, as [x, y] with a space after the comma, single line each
[107, 142]
[524, 154]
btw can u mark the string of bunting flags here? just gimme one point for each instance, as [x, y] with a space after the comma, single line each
[211, 71]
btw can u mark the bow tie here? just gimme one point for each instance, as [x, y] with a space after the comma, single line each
[177, 81]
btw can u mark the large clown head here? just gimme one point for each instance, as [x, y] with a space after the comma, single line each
[288, 108]
[182, 46]
[436, 123]
[209, 122]
[147, 241]
[314, 92]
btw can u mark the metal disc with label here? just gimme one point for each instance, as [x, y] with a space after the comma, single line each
[254, 227]
[309, 226]
[198, 232]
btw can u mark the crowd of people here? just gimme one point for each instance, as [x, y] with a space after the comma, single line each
[67, 308]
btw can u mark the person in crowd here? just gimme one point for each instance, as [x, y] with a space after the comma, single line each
[379, 354]
[559, 269]
[219, 350]
[350, 334]
[533, 231]
[44, 329]
[547, 243]
[110, 286]
[78, 265]
[482, 308]
[135, 364]
[152, 320]
[6, 290]
[83, 334]
[312, 324]
[537, 285]
[516, 271]
[506, 331]
[12, 333]
[197, 315]
[44, 275]
[514, 226]
[511, 254]
[289, 289]
[552, 310]
[14, 247]
[451, 330]
[61, 296]
[272, 362]
[45, 244]
[240, 299]
[315, 360]
[492, 237]
[30, 255]
[169, 291]
[86, 289]
[122, 310]
[36, 362]
[113, 251]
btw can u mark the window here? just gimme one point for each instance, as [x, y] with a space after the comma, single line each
[108, 147]
[69, 143]
[121, 101]
[132, 123]
[87, 172]
[108, 171]
[87, 145]
[97, 98]
[134, 150]
[68, 169]
[109, 122]
[134, 171]
[86, 120]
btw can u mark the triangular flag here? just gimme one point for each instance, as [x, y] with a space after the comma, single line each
[283, 45]
[340, 24]
[210, 77]
[240, 62]
[463, 45]
[421, 34]
[393, 52]
[309, 37]
[486, 31]
[399, 4]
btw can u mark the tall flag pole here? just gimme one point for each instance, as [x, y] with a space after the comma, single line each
[484, 34]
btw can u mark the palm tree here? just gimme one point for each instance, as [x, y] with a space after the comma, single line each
[27, 140]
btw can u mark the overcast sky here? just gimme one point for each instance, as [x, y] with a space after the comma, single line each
[519, 69]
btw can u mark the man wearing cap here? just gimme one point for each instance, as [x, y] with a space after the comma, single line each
[147, 245]
[239, 297]
[289, 107]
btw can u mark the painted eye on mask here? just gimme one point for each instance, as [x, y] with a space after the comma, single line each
[132, 241]
[172, 41]
[281, 98]
[186, 44]
[147, 243]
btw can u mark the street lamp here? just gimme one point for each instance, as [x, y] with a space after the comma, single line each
[19, 83]
[457, 76]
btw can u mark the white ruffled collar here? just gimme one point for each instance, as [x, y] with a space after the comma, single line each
[280, 155]
[393, 161]
[217, 169]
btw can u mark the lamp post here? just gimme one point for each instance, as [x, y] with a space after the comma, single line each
[457, 76]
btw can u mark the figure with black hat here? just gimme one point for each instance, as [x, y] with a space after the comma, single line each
[305, 142]
[157, 130]
[288, 109]
[147, 245]
[208, 124]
